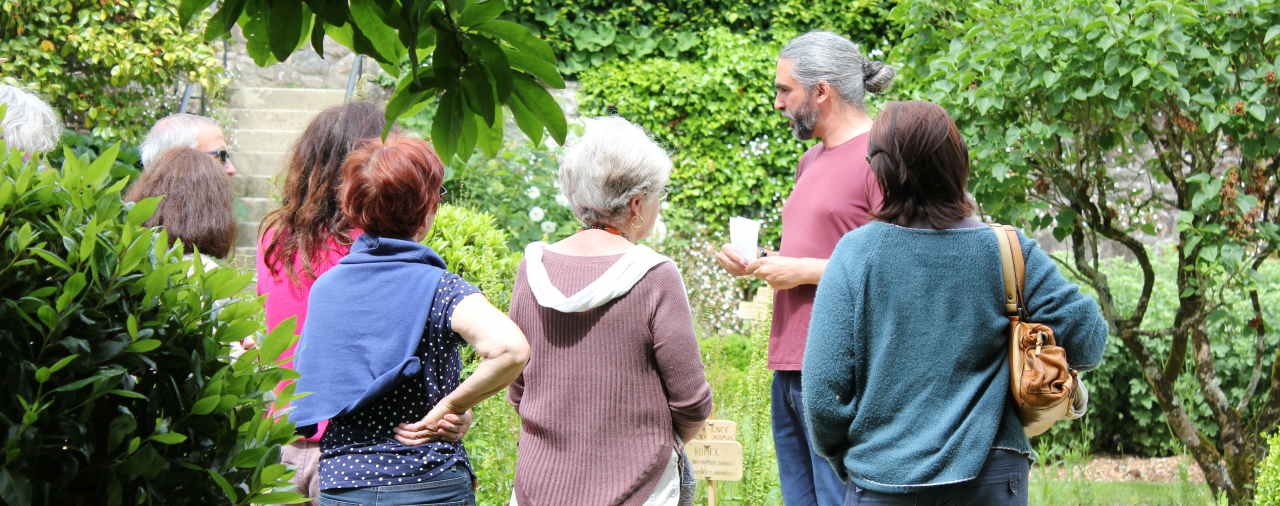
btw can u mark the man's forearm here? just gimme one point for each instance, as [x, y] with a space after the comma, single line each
[813, 269]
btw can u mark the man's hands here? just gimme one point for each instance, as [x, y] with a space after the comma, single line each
[438, 425]
[780, 272]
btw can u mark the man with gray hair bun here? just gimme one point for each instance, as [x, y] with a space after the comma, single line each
[820, 83]
[30, 125]
[186, 131]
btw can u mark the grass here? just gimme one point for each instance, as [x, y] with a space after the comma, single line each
[1046, 491]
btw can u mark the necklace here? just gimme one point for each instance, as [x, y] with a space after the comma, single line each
[607, 228]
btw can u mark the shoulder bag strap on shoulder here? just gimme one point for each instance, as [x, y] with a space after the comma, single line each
[1012, 267]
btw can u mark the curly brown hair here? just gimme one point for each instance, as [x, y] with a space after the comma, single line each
[309, 215]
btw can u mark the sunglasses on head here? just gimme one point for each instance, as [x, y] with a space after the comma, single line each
[220, 154]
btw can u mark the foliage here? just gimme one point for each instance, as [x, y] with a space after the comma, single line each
[475, 248]
[120, 388]
[105, 66]
[733, 155]
[1111, 122]
[455, 49]
[591, 33]
[521, 189]
[128, 162]
[1269, 474]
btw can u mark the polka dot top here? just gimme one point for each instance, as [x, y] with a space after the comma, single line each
[360, 450]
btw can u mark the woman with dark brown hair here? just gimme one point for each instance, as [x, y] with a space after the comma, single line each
[905, 379]
[196, 208]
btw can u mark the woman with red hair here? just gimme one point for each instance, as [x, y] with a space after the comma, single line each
[379, 350]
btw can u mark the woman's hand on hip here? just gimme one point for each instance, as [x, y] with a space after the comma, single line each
[448, 427]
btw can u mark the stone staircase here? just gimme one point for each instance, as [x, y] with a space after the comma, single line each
[265, 124]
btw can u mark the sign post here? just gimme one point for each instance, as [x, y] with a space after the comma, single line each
[715, 455]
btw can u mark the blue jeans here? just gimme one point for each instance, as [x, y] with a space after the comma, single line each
[450, 488]
[1002, 482]
[807, 479]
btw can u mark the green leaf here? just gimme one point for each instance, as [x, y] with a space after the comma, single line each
[520, 38]
[495, 61]
[446, 128]
[539, 68]
[1271, 34]
[540, 102]
[70, 290]
[1140, 74]
[101, 166]
[142, 210]
[128, 393]
[478, 92]
[57, 366]
[222, 484]
[490, 137]
[52, 258]
[279, 339]
[385, 40]
[168, 438]
[222, 21]
[1258, 111]
[143, 345]
[285, 22]
[188, 8]
[526, 120]
[205, 406]
[131, 325]
[1051, 78]
[278, 498]
[42, 374]
[100, 376]
[481, 12]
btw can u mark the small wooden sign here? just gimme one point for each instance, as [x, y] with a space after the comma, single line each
[715, 460]
[718, 430]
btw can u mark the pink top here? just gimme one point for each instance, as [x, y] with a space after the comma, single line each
[835, 192]
[285, 299]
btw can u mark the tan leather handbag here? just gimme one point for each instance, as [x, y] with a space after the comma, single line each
[1044, 387]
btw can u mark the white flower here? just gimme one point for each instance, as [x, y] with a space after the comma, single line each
[562, 200]
[533, 192]
[536, 214]
[548, 227]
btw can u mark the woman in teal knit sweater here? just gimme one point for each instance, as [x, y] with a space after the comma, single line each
[905, 378]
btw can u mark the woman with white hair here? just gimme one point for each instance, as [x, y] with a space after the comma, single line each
[30, 125]
[614, 384]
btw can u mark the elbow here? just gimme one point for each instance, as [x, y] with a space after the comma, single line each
[516, 354]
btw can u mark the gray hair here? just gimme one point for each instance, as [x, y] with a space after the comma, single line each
[612, 162]
[173, 131]
[824, 56]
[30, 125]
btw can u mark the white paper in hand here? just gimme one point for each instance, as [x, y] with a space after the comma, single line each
[744, 234]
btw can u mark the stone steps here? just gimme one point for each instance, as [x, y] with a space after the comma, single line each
[267, 122]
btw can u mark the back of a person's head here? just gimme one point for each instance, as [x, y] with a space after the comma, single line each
[389, 188]
[820, 56]
[922, 164]
[29, 124]
[197, 200]
[309, 216]
[611, 162]
[180, 130]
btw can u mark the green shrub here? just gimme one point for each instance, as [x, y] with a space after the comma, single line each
[119, 388]
[733, 154]
[475, 247]
[105, 66]
[588, 34]
[1268, 487]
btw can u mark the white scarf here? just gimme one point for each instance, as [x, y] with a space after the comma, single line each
[614, 283]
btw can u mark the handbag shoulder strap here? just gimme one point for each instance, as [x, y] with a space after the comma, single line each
[1012, 267]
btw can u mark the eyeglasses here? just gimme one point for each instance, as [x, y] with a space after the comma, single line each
[666, 191]
[222, 155]
[443, 191]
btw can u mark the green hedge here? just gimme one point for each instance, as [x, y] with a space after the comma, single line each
[119, 388]
[591, 33]
[733, 154]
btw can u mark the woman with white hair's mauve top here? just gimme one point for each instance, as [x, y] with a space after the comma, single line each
[614, 383]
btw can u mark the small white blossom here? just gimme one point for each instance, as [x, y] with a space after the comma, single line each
[560, 199]
[536, 214]
[548, 227]
[533, 192]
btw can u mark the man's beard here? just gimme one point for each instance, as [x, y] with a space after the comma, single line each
[803, 121]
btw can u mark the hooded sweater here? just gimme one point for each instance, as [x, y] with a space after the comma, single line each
[613, 373]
